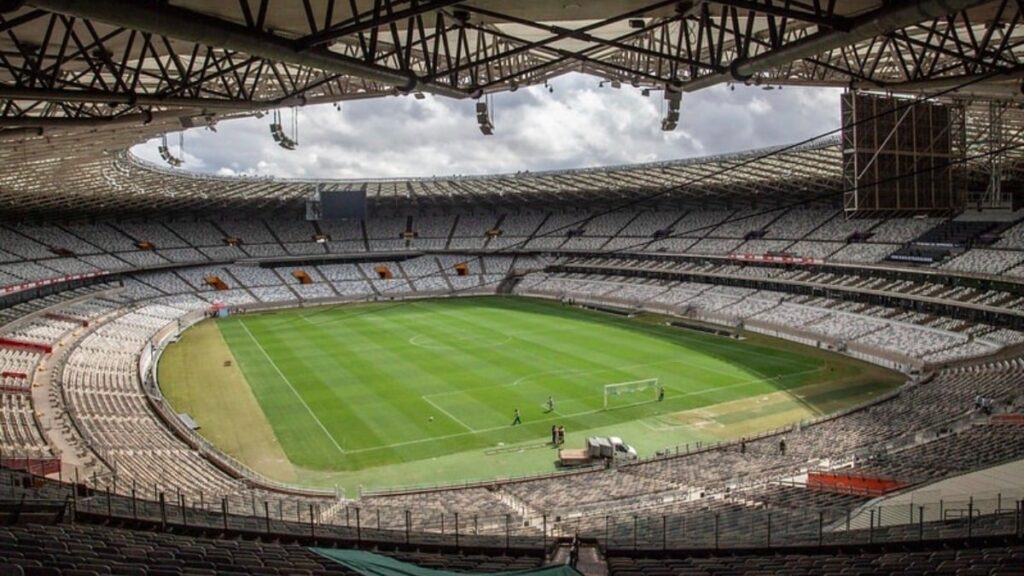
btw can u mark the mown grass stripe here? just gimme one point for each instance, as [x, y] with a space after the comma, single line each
[292, 388]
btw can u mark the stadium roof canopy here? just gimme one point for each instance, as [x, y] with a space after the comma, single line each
[123, 182]
[80, 82]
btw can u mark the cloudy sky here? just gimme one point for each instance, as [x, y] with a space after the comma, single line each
[578, 125]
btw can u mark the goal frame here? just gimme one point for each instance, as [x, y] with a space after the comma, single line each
[632, 386]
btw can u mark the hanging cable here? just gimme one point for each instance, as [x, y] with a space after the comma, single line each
[483, 116]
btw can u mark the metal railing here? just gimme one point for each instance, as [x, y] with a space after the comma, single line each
[718, 522]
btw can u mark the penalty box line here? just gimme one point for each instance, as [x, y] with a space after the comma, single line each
[574, 414]
[288, 382]
[447, 413]
[583, 371]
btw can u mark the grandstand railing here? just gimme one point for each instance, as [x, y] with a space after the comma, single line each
[722, 522]
[483, 483]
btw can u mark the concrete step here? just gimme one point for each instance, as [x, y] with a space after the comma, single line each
[591, 562]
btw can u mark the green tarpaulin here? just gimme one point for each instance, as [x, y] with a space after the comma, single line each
[372, 564]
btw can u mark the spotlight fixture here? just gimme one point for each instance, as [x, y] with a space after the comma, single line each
[165, 151]
[483, 118]
[277, 132]
[671, 119]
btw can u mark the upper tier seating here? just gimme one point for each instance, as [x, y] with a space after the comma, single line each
[151, 232]
[878, 327]
[43, 252]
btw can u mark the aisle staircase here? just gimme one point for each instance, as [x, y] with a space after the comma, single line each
[591, 562]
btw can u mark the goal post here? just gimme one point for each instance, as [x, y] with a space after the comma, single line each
[647, 385]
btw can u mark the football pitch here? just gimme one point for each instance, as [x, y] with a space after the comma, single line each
[392, 391]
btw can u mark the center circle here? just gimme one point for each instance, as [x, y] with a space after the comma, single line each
[459, 342]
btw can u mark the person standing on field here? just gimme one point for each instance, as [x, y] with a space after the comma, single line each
[517, 420]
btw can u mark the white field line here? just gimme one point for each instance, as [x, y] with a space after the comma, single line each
[582, 371]
[448, 414]
[288, 382]
[471, 346]
[571, 415]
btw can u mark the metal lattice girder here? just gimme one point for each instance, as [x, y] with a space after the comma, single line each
[62, 67]
[116, 72]
[254, 51]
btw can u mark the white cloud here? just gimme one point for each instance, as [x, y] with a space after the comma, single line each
[578, 125]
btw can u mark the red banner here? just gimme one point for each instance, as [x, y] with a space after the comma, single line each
[853, 484]
[30, 346]
[1012, 419]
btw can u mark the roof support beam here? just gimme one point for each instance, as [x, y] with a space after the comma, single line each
[883, 21]
[101, 97]
[172, 22]
[559, 32]
[192, 105]
[357, 24]
[64, 123]
[786, 11]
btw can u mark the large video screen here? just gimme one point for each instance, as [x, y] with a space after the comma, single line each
[342, 205]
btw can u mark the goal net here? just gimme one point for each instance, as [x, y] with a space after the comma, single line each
[647, 387]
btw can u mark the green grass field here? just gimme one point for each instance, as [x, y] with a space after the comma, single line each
[366, 394]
